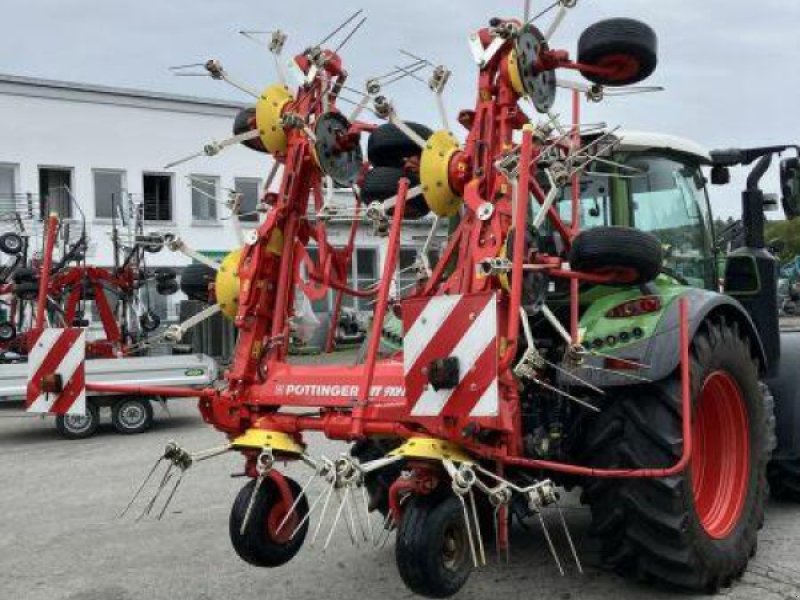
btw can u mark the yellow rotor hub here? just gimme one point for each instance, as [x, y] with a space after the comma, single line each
[434, 174]
[513, 73]
[269, 109]
[226, 284]
[262, 439]
[431, 448]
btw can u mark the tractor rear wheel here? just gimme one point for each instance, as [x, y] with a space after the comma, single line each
[696, 530]
[432, 551]
[264, 543]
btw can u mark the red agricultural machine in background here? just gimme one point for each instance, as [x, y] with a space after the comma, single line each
[538, 351]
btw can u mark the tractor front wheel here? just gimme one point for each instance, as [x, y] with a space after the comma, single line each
[696, 530]
[269, 539]
[432, 551]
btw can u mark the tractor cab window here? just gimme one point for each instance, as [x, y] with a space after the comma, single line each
[667, 198]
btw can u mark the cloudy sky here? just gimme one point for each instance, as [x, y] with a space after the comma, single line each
[730, 66]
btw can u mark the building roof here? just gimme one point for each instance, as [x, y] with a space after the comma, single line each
[100, 94]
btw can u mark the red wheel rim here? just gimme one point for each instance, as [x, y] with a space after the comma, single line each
[721, 455]
[276, 515]
[620, 67]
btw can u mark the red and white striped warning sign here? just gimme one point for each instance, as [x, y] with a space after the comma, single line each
[460, 326]
[56, 366]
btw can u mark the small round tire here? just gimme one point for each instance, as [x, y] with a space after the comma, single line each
[625, 48]
[79, 427]
[380, 183]
[7, 331]
[195, 281]
[27, 290]
[11, 243]
[387, 146]
[132, 415]
[261, 545]
[244, 122]
[635, 255]
[432, 550]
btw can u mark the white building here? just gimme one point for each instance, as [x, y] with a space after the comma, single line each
[102, 142]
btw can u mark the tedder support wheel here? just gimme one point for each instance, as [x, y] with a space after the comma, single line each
[432, 551]
[262, 544]
[78, 427]
[696, 530]
[380, 183]
[11, 243]
[195, 281]
[625, 48]
[387, 146]
[633, 254]
[132, 415]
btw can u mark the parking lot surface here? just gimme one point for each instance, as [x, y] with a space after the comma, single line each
[60, 538]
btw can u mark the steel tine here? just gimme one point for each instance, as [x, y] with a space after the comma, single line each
[324, 511]
[569, 539]
[295, 503]
[469, 531]
[141, 487]
[389, 526]
[478, 533]
[164, 480]
[384, 527]
[251, 502]
[496, 521]
[550, 543]
[335, 520]
[171, 496]
[308, 514]
[349, 498]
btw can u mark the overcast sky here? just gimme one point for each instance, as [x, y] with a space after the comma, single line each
[730, 67]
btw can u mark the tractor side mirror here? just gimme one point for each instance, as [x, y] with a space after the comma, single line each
[720, 175]
[790, 186]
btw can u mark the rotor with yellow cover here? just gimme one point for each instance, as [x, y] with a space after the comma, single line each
[434, 174]
[269, 110]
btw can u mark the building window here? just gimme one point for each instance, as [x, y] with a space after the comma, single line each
[249, 189]
[204, 197]
[157, 197]
[55, 190]
[108, 191]
[8, 188]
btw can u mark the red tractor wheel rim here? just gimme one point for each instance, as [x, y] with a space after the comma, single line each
[721, 455]
[274, 519]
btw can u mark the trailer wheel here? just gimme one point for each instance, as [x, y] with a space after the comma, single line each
[261, 544]
[625, 48]
[697, 530]
[432, 551]
[79, 427]
[387, 146]
[11, 243]
[132, 415]
[636, 256]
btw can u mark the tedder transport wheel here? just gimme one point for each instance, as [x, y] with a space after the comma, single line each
[432, 550]
[635, 255]
[380, 183]
[78, 427]
[132, 415]
[695, 531]
[195, 281]
[628, 49]
[261, 544]
[387, 146]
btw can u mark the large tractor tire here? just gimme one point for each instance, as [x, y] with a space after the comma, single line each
[387, 146]
[695, 531]
[633, 254]
[625, 48]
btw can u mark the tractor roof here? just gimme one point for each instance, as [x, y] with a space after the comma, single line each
[640, 140]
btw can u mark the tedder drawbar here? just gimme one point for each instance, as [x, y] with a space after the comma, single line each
[538, 351]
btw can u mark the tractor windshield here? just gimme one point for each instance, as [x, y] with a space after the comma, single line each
[659, 194]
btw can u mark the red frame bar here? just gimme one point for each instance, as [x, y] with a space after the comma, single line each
[47, 264]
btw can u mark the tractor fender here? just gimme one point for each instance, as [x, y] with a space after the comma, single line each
[656, 357]
[785, 387]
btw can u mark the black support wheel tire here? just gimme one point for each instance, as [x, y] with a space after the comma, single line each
[264, 543]
[695, 531]
[7, 331]
[626, 50]
[432, 552]
[380, 183]
[387, 146]
[635, 256]
[79, 427]
[11, 243]
[132, 415]
[378, 482]
[195, 281]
